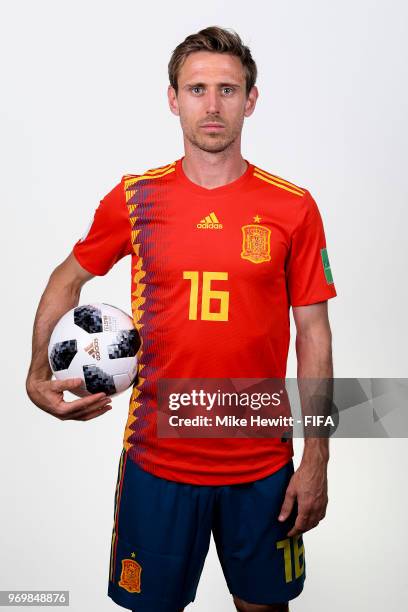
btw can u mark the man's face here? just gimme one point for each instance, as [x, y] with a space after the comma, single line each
[211, 100]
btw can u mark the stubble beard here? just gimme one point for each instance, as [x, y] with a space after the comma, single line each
[212, 143]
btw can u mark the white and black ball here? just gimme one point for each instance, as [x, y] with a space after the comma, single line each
[98, 343]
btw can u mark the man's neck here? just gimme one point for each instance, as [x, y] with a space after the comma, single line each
[212, 170]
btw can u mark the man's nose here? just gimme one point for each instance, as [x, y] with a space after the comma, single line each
[213, 100]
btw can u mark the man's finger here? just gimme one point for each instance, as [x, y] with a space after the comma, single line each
[81, 412]
[299, 530]
[91, 401]
[62, 409]
[94, 409]
[294, 532]
[303, 523]
[287, 505]
[66, 385]
[84, 402]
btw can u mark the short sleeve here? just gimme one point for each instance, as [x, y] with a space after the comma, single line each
[108, 237]
[308, 272]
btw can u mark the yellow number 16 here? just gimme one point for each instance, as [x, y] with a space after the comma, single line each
[207, 294]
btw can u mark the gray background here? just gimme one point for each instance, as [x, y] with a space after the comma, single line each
[84, 102]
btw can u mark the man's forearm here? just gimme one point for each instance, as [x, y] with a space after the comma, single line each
[57, 299]
[315, 373]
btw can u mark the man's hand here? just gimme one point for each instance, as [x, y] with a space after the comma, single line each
[309, 486]
[49, 396]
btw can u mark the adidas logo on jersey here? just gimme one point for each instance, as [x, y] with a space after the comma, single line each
[93, 349]
[210, 222]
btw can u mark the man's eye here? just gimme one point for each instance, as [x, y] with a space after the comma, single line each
[196, 89]
[228, 90]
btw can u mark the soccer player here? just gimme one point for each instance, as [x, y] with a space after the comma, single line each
[220, 250]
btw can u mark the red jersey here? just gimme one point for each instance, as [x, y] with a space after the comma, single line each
[214, 273]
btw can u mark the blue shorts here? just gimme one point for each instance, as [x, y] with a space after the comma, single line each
[162, 532]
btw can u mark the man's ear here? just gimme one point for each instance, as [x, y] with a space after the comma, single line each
[172, 98]
[251, 101]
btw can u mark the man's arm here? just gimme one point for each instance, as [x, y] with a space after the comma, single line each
[309, 483]
[60, 295]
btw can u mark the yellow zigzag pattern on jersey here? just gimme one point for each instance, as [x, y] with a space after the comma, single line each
[130, 184]
[137, 303]
[278, 181]
[149, 174]
[118, 482]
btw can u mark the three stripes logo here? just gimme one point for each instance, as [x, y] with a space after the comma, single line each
[93, 349]
[210, 222]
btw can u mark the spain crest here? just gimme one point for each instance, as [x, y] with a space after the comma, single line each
[256, 242]
[130, 576]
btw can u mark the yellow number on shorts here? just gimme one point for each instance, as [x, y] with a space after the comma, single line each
[298, 556]
[207, 295]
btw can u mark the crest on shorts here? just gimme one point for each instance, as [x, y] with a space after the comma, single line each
[130, 576]
[256, 242]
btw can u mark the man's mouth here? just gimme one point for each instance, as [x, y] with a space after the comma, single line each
[212, 126]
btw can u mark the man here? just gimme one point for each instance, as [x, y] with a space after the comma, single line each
[220, 251]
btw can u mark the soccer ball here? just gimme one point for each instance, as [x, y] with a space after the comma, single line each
[98, 343]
